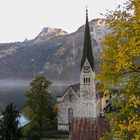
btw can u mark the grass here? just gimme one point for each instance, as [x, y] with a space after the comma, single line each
[50, 135]
[48, 139]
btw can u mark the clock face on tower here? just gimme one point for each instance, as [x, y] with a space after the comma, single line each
[86, 69]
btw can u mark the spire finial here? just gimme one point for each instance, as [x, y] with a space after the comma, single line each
[86, 10]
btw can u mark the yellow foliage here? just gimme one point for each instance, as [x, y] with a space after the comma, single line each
[120, 67]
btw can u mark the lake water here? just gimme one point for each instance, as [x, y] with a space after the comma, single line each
[23, 121]
[14, 91]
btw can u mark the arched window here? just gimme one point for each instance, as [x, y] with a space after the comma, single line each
[70, 115]
[70, 96]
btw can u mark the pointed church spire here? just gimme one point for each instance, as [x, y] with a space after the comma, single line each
[87, 48]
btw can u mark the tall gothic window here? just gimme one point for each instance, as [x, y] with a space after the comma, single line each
[70, 115]
[70, 97]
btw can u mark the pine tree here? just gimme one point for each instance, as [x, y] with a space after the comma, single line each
[9, 123]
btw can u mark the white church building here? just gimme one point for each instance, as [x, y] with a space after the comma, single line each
[82, 100]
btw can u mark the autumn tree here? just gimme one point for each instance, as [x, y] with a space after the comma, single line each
[38, 107]
[120, 68]
[9, 123]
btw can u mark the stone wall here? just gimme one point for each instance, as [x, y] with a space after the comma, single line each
[89, 106]
[64, 105]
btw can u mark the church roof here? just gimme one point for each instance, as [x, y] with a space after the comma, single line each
[87, 48]
[76, 87]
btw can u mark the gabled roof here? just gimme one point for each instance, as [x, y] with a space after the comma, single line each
[75, 87]
[87, 48]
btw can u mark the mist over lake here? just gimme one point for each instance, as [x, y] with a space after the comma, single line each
[14, 90]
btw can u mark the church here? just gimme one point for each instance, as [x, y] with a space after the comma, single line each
[82, 100]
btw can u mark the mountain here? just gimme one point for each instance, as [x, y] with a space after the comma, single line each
[53, 52]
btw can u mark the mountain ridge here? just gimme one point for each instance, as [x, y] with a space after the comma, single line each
[53, 53]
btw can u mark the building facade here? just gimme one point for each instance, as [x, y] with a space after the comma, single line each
[81, 100]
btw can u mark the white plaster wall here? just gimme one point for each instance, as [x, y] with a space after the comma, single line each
[104, 104]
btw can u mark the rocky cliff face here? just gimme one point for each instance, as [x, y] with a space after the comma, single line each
[53, 53]
[48, 33]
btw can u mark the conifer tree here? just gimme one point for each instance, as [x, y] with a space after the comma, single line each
[9, 123]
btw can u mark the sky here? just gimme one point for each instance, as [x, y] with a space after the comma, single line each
[21, 19]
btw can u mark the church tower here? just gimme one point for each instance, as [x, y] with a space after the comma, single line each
[87, 78]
